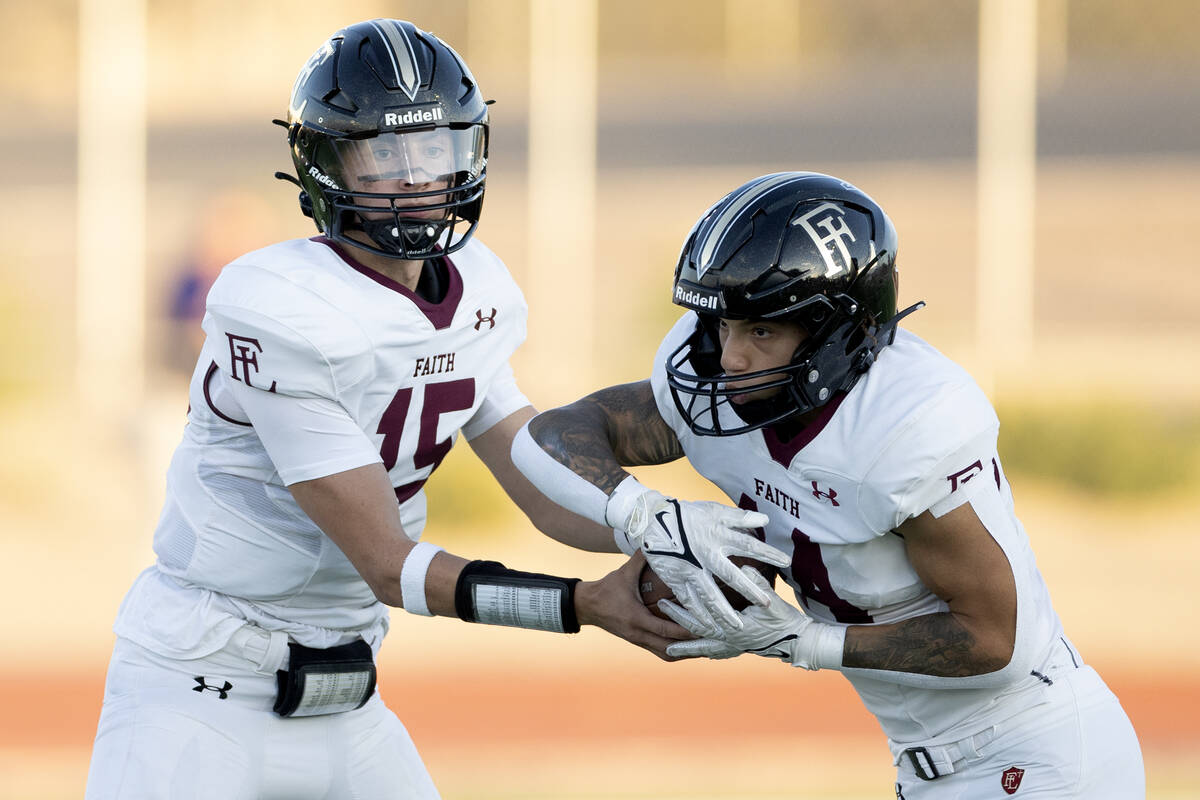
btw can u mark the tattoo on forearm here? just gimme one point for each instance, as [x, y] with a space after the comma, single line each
[933, 644]
[614, 427]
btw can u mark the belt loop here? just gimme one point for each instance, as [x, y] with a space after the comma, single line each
[277, 652]
[267, 650]
[969, 747]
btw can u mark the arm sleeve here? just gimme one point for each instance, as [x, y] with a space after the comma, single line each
[557, 481]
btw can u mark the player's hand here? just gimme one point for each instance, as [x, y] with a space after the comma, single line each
[687, 543]
[779, 630]
[615, 604]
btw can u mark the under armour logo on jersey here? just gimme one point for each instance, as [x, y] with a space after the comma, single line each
[712, 229]
[829, 495]
[1010, 779]
[222, 691]
[964, 475]
[480, 319]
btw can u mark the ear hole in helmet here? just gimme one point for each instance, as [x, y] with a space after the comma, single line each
[704, 353]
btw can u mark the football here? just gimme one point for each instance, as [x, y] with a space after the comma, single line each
[653, 588]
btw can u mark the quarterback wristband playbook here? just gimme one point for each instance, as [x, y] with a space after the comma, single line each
[326, 681]
[490, 593]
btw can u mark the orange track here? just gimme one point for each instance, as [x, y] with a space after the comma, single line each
[60, 709]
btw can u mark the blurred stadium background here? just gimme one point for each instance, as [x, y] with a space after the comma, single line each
[1098, 395]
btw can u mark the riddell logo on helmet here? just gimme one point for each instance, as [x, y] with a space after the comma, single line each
[322, 178]
[414, 117]
[691, 297]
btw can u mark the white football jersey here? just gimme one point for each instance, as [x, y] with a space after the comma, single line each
[915, 433]
[387, 376]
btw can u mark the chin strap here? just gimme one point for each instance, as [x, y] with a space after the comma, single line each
[408, 240]
[884, 335]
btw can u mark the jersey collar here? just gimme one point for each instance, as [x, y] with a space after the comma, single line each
[783, 452]
[440, 315]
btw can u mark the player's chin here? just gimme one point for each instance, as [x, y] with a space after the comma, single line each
[749, 395]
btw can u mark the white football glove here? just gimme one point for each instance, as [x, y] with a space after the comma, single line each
[779, 630]
[687, 543]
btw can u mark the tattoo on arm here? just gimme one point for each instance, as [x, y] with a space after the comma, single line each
[932, 644]
[614, 427]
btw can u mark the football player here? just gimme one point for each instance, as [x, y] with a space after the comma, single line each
[788, 384]
[336, 374]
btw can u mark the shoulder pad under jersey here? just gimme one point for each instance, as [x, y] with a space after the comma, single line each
[941, 446]
[276, 334]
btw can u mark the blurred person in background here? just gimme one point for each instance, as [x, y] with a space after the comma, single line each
[231, 223]
[336, 374]
[789, 385]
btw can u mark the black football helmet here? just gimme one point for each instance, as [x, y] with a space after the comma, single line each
[389, 136]
[796, 246]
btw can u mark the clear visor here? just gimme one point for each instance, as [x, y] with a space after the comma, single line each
[417, 158]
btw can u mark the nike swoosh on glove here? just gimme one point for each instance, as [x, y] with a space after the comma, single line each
[779, 630]
[687, 543]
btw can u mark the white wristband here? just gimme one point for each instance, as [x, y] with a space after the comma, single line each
[412, 578]
[622, 503]
[624, 542]
[828, 644]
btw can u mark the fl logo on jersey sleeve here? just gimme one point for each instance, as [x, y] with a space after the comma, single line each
[243, 361]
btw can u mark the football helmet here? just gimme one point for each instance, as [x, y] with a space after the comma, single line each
[796, 246]
[389, 134]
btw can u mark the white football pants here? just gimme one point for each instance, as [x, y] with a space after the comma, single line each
[1079, 745]
[204, 729]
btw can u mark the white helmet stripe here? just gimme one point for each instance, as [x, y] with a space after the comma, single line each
[736, 205]
[400, 50]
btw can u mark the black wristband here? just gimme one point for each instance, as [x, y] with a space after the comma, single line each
[490, 593]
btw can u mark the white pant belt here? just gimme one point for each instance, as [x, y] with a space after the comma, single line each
[935, 760]
[267, 650]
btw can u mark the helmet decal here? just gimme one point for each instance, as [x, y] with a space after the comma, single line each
[322, 54]
[717, 229]
[400, 51]
[830, 218]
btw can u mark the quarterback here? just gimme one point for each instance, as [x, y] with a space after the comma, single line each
[336, 374]
[871, 460]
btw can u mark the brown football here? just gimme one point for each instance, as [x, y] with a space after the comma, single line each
[653, 589]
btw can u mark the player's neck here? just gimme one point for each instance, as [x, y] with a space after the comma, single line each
[791, 428]
[405, 273]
